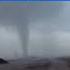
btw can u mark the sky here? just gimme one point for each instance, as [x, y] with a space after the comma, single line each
[39, 29]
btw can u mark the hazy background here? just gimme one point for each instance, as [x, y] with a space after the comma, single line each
[46, 26]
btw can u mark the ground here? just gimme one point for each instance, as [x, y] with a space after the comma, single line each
[38, 64]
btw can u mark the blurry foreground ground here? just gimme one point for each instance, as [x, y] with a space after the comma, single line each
[38, 64]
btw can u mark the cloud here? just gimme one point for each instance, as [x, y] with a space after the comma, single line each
[41, 29]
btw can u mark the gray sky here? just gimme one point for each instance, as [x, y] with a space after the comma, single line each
[46, 27]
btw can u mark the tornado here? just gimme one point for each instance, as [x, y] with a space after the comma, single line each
[22, 28]
[21, 23]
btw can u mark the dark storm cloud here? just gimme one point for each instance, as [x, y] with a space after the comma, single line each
[38, 26]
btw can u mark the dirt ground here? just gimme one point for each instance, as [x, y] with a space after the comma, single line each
[41, 64]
